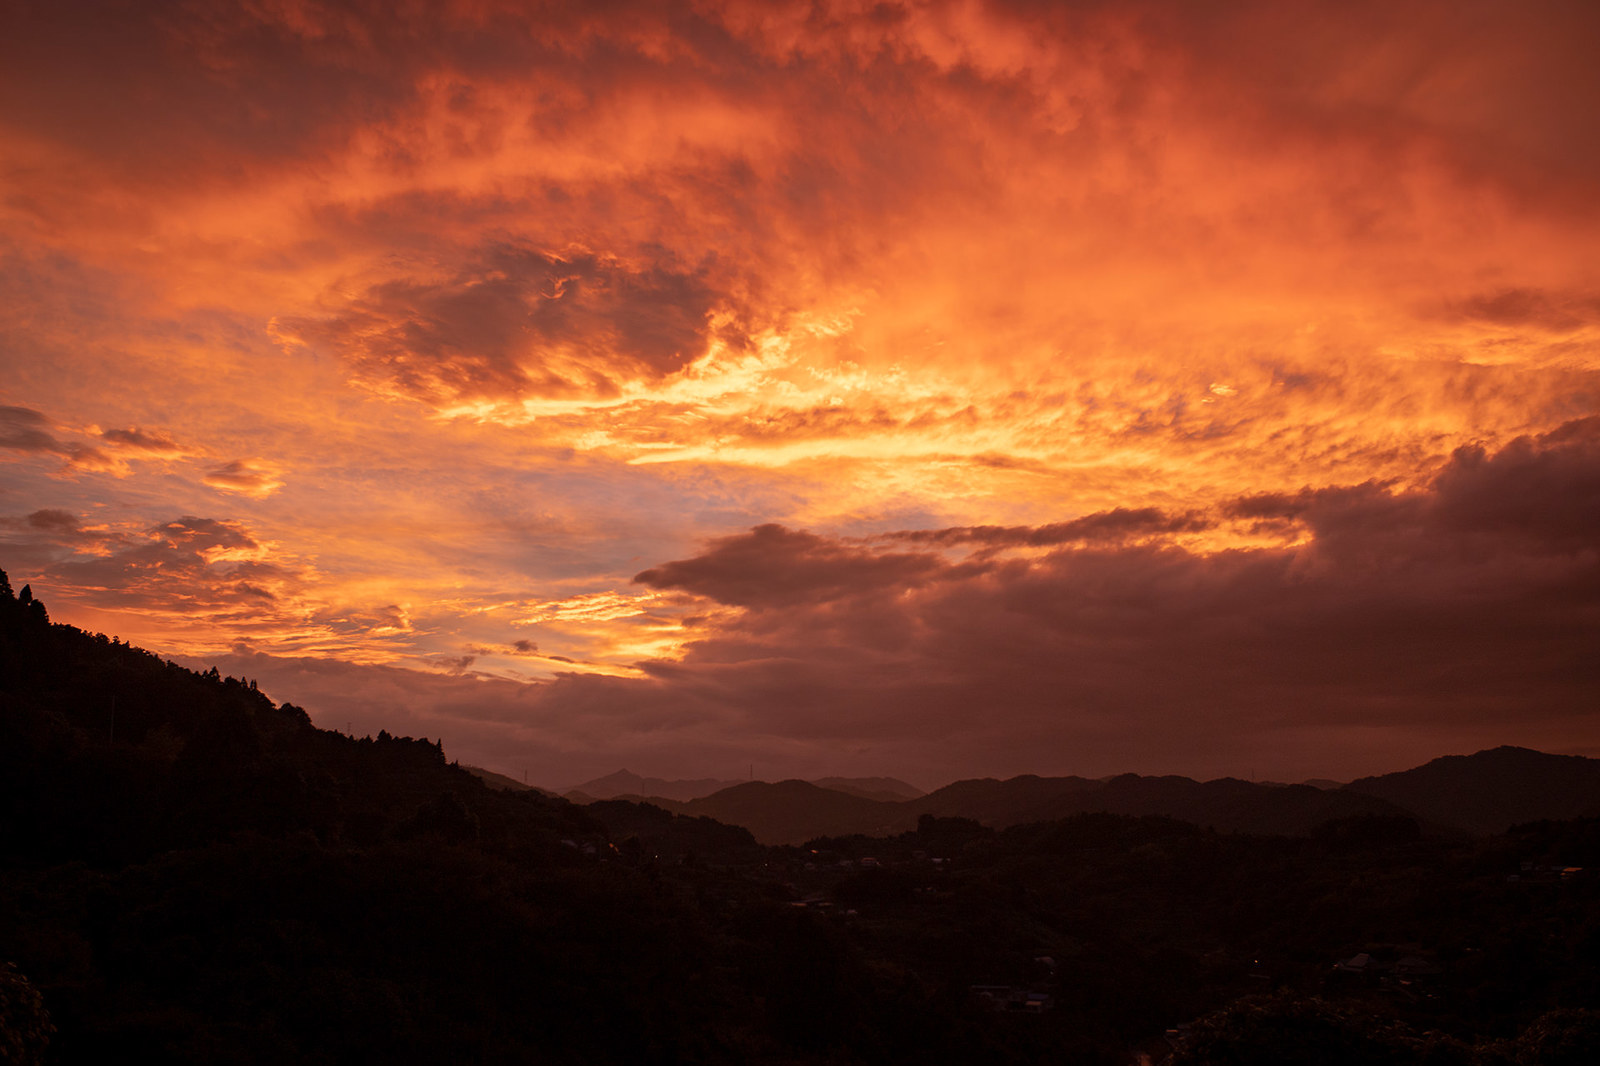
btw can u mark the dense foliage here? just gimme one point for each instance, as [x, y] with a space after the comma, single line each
[192, 873]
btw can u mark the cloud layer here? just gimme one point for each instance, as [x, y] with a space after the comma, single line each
[1392, 622]
[1087, 363]
[1418, 616]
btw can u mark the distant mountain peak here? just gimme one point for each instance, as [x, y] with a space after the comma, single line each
[878, 788]
[627, 783]
[1491, 790]
[624, 778]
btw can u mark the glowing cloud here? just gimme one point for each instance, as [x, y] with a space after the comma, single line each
[903, 353]
[251, 477]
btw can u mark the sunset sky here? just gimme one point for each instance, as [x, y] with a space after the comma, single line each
[938, 390]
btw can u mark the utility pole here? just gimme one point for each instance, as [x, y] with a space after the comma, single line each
[112, 736]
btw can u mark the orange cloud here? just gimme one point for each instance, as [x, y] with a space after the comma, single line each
[468, 316]
[251, 477]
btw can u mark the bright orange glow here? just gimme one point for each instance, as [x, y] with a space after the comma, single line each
[342, 338]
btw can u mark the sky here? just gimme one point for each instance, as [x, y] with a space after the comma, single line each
[930, 389]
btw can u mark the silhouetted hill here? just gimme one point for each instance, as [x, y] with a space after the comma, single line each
[1487, 792]
[888, 789]
[792, 812]
[660, 835]
[494, 780]
[625, 783]
[1000, 803]
[111, 754]
[1492, 790]
[1226, 804]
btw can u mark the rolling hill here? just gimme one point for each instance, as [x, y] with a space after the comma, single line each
[1490, 791]
[626, 783]
[1483, 793]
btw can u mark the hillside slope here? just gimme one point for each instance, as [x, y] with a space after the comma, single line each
[1492, 790]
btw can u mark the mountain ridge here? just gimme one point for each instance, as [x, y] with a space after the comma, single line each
[1491, 790]
[626, 783]
[1464, 798]
[1482, 793]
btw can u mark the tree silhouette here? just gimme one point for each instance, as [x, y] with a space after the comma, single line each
[25, 1028]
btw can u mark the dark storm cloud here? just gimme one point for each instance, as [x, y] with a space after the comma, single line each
[1547, 311]
[201, 534]
[1269, 506]
[776, 567]
[1534, 125]
[455, 665]
[389, 619]
[100, 69]
[53, 520]
[1117, 524]
[1472, 606]
[26, 430]
[140, 440]
[95, 72]
[246, 476]
[1542, 490]
[32, 542]
[524, 322]
[204, 567]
